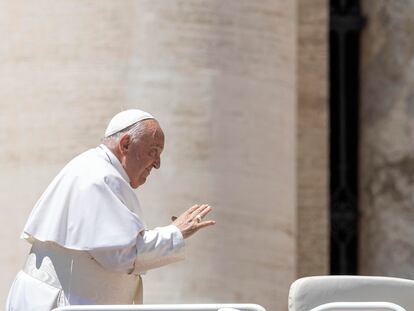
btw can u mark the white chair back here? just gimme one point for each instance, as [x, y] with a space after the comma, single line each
[166, 307]
[311, 292]
[372, 306]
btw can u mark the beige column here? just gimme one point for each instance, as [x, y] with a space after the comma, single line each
[312, 139]
[221, 76]
[240, 90]
[387, 136]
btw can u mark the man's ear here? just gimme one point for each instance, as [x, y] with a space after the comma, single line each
[124, 143]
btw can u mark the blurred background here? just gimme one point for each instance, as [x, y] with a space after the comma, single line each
[294, 119]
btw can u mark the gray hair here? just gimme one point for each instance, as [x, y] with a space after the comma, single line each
[136, 131]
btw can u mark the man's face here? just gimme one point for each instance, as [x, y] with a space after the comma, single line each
[141, 157]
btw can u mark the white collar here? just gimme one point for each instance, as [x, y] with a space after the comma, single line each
[114, 161]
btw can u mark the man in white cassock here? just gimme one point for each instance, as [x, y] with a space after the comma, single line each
[89, 240]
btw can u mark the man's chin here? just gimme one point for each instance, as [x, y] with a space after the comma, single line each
[137, 184]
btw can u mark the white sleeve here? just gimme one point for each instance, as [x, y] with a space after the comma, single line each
[159, 247]
[153, 249]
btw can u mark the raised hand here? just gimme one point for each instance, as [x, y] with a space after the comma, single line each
[191, 220]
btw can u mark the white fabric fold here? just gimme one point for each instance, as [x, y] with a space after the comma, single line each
[159, 247]
[154, 248]
[89, 205]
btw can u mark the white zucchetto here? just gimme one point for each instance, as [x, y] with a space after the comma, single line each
[124, 119]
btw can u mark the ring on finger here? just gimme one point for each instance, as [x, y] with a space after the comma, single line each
[198, 218]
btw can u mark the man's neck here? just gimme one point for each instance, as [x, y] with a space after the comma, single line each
[115, 151]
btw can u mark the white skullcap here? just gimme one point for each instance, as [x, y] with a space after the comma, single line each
[124, 119]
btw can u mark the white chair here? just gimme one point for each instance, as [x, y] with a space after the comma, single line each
[320, 293]
[166, 307]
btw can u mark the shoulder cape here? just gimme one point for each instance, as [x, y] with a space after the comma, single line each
[89, 205]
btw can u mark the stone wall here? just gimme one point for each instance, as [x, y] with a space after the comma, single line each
[243, 109]
[312, 140]
[387, 136]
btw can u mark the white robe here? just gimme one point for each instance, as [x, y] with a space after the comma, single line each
[90, 243]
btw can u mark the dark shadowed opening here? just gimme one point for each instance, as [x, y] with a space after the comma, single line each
[345, 26]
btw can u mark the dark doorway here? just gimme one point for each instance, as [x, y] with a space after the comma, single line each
[346, 23]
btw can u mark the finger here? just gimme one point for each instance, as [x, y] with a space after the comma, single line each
[192, 209]
[204, 212]
[198, 210]
[204, 224]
